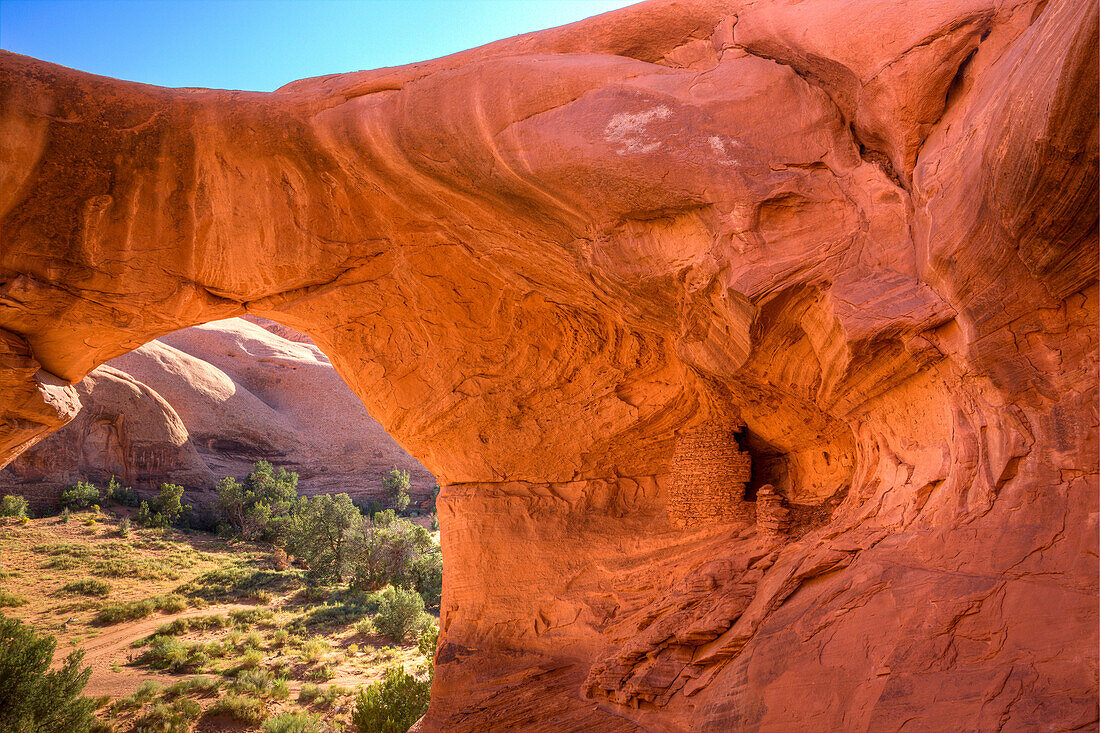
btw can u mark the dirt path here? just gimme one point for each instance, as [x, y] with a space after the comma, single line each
[114, 646]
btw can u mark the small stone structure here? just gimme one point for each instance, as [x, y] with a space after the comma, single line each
[773, 514]
[709, 472]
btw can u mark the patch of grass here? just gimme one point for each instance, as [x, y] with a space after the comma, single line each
[242, 708]
[324, 697]
[239, 582]
[313, 650]
[72, 549]
[168, 652]
[194, 623]
[115, 613]
[175, 717]
[88, 587]
[251, 659]
[253, 617]
[11, 600]
[193, 686]
[324, 673]
[300, 722]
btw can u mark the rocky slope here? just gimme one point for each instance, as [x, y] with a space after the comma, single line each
[570, 270]
[206, 402]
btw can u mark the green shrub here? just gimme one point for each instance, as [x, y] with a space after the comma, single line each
[313, 650]
[428, 641]
[252, 681]
[118, 494]
[193, 686]
[395, 487]
[88, 587]
[165, 509]
[263, 506]
[80, 495]
[426, 574]
[391, 705]
[300, 722]
[253, 617]
[324, 673]
[319, 533]
[34, 698]
[400, 614]
[13, 506]
[245, 709]
[11, 600]
[280, 690]
[124, 527]
[168, 718]
[167, 652]
[251, 659]
[64, 516]
[435, 523]
[308, 693]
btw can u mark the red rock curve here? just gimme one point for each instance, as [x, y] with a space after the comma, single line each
[566, 270]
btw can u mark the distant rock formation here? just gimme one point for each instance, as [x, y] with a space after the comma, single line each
[200, 404]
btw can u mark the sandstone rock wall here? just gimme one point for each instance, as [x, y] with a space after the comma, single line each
[866, 229]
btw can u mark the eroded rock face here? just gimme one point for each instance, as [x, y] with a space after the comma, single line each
[204, 403]
[864, 231]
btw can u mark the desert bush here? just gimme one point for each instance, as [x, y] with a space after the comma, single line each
[253, 617]
[88, 587]
[391, 705]
[242, 708]
[400, 614]
[116, 493]
[64, 516]
[426, 574]
[11, 600]
[174, 717]
[192, 686]
[308, 693]
[80, 495]
[324, 673]
[435, 523]
[300, 722]
[426, 644]
[318, 534]
[262, 507]
[35, 699]
[384, 551]
[252, 681]
[165, 509]
[251, 659]
[124, 527]
[13, 506]
[395, 487]
[166, 652]
[313, 650]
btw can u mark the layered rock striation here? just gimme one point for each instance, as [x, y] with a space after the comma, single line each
[204, 403]
[866, 231]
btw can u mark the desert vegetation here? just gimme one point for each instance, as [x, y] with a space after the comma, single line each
[297, 615]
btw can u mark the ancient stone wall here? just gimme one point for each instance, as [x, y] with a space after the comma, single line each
[709, 472]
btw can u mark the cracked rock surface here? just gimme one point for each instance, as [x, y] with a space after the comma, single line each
[856, 238]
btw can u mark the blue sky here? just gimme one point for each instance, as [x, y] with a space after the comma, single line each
[262, 44]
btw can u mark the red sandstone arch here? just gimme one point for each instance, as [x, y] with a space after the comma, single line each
[866, 232]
